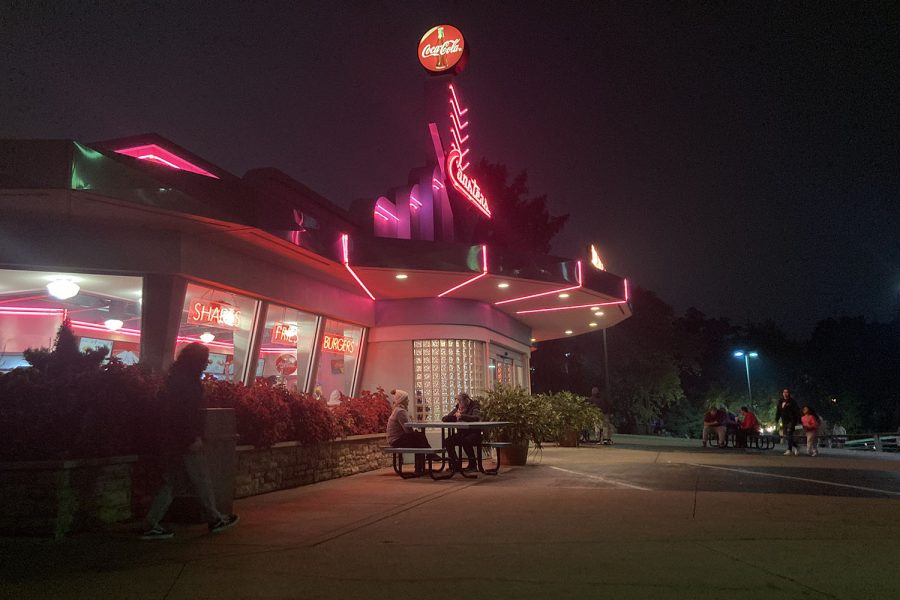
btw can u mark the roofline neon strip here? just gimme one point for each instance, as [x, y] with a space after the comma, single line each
[484, 271]
[578, 277]
[556, 308]
[345, 246]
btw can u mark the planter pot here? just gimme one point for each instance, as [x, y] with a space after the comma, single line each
[569, 439]
[515, 456]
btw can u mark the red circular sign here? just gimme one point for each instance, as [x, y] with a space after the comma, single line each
[286, 364]
[441, 48]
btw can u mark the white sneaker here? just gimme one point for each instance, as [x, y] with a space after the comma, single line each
[787, 452]
[796, 452]
[814, 453]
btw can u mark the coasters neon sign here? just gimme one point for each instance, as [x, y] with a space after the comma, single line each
[456, 163]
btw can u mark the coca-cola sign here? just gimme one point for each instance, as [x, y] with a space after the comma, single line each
[441, 48]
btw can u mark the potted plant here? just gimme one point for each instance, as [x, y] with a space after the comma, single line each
[530, 417]
[571, 414]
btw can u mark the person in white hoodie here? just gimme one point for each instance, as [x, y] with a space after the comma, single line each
[398, 436]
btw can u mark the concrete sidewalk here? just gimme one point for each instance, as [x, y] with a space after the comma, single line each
[626, 521]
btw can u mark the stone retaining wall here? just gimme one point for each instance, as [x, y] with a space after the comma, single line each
[52, 498]
[289, 465]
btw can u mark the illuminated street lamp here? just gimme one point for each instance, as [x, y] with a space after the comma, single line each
[747, 356]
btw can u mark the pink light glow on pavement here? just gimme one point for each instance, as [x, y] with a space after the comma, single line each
[346, 249]
[565, 289]
[160, 155]
[484, 271]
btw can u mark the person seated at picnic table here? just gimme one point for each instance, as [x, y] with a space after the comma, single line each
[397, 434]
[466, 409]
[714, 420]
[749, 425]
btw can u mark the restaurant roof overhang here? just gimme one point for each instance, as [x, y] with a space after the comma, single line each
[555, 297]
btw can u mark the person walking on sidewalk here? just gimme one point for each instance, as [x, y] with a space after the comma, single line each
[181, 406]
[789, 414]
[811, 424]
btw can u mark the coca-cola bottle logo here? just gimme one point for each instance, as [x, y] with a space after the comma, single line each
[441, 48]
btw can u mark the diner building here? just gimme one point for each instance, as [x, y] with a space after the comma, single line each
[146, 246]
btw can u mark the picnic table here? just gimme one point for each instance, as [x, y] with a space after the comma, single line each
[446, 426]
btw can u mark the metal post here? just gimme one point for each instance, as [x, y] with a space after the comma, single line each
[747, 366]
[606, 367]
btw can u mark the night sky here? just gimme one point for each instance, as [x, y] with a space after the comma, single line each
[743, 158]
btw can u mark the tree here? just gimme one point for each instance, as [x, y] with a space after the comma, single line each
[519, 223]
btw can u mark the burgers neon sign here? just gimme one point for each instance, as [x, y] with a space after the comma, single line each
[337, 343]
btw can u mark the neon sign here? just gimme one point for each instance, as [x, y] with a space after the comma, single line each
[204, 312]
[338, 344]
[441, 48]
[283, 333]
[456, 167]
[159, 155]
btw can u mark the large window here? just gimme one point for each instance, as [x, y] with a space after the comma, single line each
[286, 349]
[444, 368]
[222, 321]
[338, 356]
[105, 312]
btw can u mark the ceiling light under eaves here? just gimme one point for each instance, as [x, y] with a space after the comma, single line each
[113, 324]
[63, 289]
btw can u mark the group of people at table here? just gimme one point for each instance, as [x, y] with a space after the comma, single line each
[722, 422]
[401, 435]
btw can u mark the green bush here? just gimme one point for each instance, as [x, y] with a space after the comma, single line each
[570, 412]
[531, 415]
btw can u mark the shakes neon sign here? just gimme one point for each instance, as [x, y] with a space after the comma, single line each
[441, 48]
[337, 343]
[204, 312]
[456, 158]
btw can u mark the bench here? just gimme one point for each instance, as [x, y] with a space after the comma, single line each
[397, 460]
[760, 441]
[495, 446]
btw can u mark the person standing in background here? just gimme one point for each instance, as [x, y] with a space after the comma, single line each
[789, 414]
[811, 424]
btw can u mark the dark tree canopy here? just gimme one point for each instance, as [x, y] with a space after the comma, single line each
[518, 223]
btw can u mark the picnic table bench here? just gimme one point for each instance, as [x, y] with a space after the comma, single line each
[429, 453]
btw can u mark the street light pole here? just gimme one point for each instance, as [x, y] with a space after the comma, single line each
[747, 356]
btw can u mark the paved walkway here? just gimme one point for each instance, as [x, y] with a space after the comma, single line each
[634, 520]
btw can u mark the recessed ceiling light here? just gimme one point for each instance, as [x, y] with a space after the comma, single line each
[568, 332]
[592, 324]
[595, 308]
[563, 295]
[503, 285]
[401, 276]
[599, 313]
[63, 288]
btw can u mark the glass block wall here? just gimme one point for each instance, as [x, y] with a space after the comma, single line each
[443, 368]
